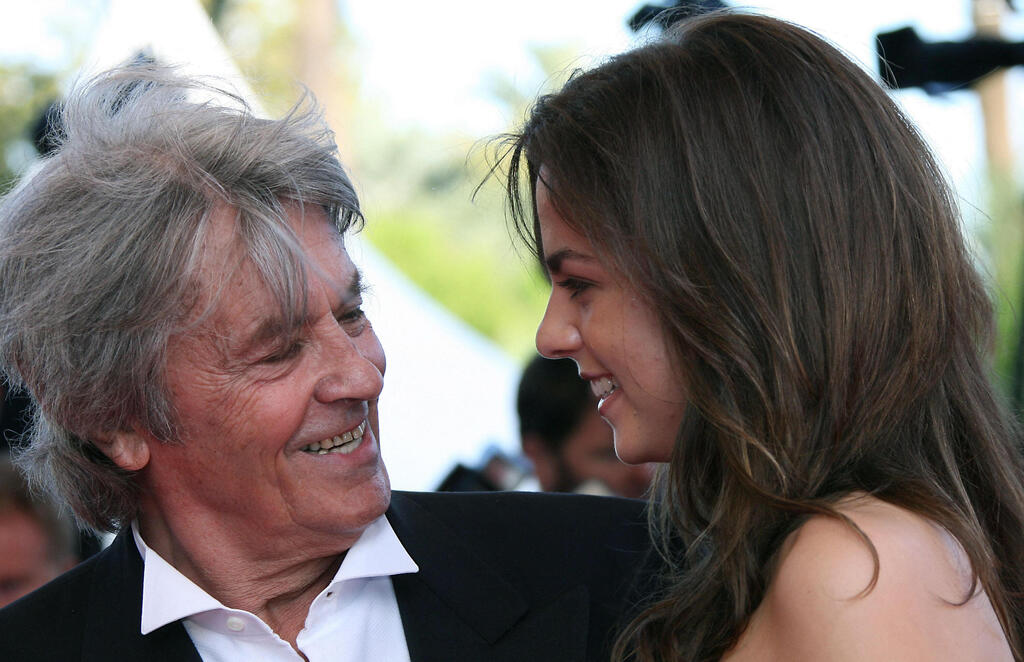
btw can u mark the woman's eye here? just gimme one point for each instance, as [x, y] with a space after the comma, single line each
[574, 286]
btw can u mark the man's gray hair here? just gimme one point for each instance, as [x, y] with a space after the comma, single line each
[100, 251]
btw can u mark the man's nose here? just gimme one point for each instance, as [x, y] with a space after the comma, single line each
[354, 368]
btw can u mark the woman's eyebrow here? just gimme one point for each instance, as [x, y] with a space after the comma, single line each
[555, 260]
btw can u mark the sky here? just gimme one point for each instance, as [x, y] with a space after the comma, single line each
[432, 49]
[426, 63]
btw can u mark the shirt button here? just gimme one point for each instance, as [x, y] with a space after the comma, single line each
[235, 624]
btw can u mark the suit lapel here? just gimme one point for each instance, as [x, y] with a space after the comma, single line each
[458, 607]
[115, 613]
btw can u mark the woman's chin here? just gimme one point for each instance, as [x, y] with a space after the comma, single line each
[632, 450]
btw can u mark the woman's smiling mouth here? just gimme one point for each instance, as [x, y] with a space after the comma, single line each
[602, 387]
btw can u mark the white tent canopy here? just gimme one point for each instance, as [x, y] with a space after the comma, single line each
[448, 393]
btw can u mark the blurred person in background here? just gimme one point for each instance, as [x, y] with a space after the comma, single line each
[562, 434]
[36, 542]
[179, 302]
[15, 417]
[759, 266]
[15, 412]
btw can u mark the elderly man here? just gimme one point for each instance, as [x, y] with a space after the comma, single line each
[178, 299]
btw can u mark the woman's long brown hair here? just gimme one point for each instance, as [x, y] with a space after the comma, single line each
[804, 255]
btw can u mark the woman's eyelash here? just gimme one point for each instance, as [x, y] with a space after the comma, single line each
[574, 285]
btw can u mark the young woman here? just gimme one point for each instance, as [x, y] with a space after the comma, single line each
[758, 266]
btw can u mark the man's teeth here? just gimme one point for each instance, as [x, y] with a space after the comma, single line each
[344, 444]
[603, 387]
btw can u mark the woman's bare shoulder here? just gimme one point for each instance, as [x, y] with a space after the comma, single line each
[821, 604]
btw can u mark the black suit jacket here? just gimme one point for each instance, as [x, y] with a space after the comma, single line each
[503, 576]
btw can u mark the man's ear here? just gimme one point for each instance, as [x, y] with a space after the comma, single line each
[127, 449]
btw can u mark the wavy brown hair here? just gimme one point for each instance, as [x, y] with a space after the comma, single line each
[803, 253]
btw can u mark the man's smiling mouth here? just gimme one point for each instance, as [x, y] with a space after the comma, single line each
[344, 444]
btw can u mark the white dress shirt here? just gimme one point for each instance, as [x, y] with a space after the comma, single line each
[354, 619]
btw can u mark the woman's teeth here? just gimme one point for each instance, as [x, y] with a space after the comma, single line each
[603, 387]
[344, 444]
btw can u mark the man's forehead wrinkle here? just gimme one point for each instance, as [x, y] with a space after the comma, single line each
[209, 282]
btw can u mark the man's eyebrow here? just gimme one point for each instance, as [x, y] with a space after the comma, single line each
[555, 260]
[356, 285]
[269, 330]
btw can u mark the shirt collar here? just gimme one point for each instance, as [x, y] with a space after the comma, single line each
[168, 595]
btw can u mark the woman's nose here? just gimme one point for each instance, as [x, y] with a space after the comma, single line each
[558, 335]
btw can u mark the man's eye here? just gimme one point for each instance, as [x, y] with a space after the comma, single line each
[285, 353]
[574, 286]
[354, 321]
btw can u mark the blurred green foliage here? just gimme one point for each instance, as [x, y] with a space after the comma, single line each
[428, 212]
[25, 93]
[260, 35]
[1002, 237]
[422, 213]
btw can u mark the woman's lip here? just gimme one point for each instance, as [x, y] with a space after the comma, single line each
[605, 402]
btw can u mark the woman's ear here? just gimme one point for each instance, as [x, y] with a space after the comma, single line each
[127, 449]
